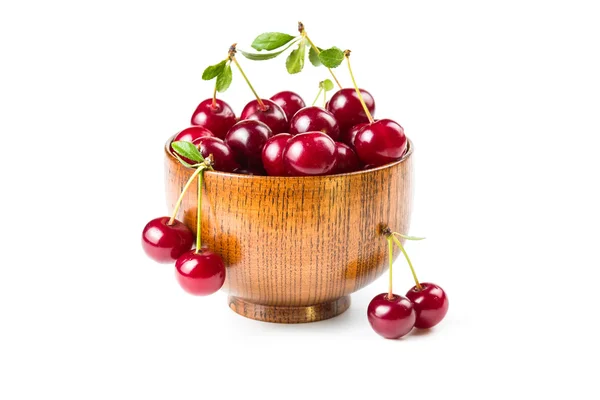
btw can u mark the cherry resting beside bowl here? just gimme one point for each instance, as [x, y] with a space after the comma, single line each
[296, 247]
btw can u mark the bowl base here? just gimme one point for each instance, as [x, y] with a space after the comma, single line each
[289, 314]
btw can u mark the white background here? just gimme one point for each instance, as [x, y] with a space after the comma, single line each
[501, 99]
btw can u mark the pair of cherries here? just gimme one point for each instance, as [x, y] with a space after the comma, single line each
[315, 141]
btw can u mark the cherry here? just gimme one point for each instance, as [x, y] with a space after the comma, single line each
[224, 159]
[164, 243]
[217, 117]
[200, 273]
[347, 108]
[311, 153]
[392, 317]
[430, 303]
[315, 119]
[380, 142]
[346, 159]
[349, 136]
[273, 116]
[289, 102]
[272, 154]
[247, 139]
[192, 133]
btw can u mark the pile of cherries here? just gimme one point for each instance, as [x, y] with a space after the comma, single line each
[280, 136]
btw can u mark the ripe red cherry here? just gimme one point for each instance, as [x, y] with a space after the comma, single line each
[348, 110]
[311, 153]
[346, 159]
[192, 133]
[380, 143]
[315, 119]
[289, 102]
[200, 273]
[272, 154]
[224, 159]
[273, 116]
[391, 318]
[431, 304]
[217, 119]
[165, 243]
[349, 136]
[247, 139]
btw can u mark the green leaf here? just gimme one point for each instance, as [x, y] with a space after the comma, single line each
[332, 57]
[186, 164]
[327, 85]
[295, 61]
[265, 56]
[314, 57]
[271, 40]
[187, 150]
[213, 71]
[408, 237]
[224, 80]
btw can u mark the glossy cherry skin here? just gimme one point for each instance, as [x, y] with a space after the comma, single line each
[349, 136]
[431, 304]
[315, 119]
[247, 139]
[311, 153]
[347, 109]
[166, 243]
[273, 116]
[218, 120]
[346, 159]
[289, 102]
[200, 273]
[224, 159]
[272, 154]
[393, 318]
[381, 142]
[192, 133]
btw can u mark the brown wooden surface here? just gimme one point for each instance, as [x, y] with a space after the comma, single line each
[297, 242]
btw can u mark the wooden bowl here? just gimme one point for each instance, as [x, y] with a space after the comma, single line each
[296, 247]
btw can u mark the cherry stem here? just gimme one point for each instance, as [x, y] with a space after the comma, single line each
[362, 101]
[214, 100]
[185, 188]
[316, 49]
[324, 98]
[391, 253]
[395, 239]
[261, 105]
[318, 95]
[199, 213]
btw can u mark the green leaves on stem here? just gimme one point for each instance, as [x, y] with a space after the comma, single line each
[221, 71]
[331, 58]
[324, 87]
[313, 56]
[295, 61]
[271, 40]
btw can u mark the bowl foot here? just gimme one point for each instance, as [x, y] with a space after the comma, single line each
[289, 314]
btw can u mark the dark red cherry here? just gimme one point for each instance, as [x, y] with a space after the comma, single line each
[224, 159]
[380, 143]
[431, 304]
[164, 243]
[391, 318]
[273, 116]
[216, 119]
[289, 102]
[346, 159]
[247, 139]
[348, 110]
[192, 133]
[349, 136]
[311, 153]
[200, 273]
[272, 154]
[315, 119]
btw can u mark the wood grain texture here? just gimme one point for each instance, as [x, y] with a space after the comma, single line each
[295, 246]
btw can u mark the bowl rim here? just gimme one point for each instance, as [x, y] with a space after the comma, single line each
[406, 156]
